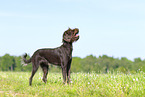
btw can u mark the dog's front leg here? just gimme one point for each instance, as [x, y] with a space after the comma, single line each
[68, 71]
[64, 73]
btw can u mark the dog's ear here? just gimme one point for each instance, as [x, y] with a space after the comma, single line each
[66, 37]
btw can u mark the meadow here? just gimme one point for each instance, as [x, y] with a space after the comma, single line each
[15, 84]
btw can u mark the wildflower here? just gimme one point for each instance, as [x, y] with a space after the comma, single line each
[40, 77]
[39, 73]
[133, 79]
[88, 82]
[20, 77]
[136, 79]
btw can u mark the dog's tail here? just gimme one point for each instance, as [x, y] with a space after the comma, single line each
[25, 60]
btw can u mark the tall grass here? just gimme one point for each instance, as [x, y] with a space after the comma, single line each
[15, 84]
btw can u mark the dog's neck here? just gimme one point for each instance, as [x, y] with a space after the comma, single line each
[69, 47]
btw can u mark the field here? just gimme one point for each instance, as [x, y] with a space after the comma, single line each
[15, 84]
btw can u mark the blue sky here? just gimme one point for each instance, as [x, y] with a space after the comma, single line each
[112, 27]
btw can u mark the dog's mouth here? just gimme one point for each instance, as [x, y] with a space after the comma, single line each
[77, 35]
[76, 32]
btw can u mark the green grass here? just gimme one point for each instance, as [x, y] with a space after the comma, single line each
[15, 84]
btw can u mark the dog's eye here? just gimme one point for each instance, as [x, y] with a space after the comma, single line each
[69, 33]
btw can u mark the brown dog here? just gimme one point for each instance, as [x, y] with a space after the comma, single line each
[61, 56]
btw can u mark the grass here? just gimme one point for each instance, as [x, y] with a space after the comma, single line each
[15, 84]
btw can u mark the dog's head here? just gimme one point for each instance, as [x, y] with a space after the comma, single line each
[71, 35]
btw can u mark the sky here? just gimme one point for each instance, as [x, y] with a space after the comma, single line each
[106, 27]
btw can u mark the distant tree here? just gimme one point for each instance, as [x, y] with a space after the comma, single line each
[137, 60]
[138, 64]
[106, 62]
[7, 63]
[18, 62]
[101, 64]
[126, 64]
[0, 64]
[76, 64]
[88, 63]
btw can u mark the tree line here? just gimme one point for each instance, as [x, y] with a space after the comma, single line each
[101, 64]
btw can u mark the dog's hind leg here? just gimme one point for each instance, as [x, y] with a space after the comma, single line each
[35, 65]
[34, 69]
[45, 68]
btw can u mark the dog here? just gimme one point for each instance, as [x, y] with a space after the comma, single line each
[60, 56]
